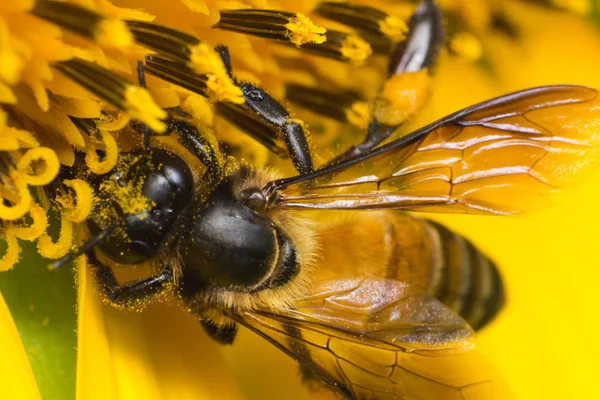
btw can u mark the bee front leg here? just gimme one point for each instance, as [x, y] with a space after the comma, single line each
[132, 294]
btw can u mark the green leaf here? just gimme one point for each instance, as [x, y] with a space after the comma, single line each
[42, 304]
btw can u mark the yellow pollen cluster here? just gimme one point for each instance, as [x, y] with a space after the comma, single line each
[359, 114]
[401, 97]
[355, 49]
[302, 30]
[206, 61]
[394, 28]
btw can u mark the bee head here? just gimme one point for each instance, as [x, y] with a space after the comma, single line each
[164, 185]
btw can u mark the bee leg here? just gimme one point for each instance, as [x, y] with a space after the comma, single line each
[226, 58]
[197, 144]
[416, 54]
[190, 138]
[132, 293]
[222, 334]
[273, 115]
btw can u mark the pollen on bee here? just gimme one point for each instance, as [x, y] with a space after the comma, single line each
[402, 96]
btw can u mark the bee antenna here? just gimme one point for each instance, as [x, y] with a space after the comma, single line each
[142, 80]
[87, 246]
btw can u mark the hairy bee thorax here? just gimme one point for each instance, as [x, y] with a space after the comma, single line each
[237, 258]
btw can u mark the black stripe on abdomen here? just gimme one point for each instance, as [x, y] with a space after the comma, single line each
[468, 282]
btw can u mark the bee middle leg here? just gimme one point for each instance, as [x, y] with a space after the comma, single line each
[132, 293]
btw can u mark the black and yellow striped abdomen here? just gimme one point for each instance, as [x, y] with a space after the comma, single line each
[396, 245]
[463, 278]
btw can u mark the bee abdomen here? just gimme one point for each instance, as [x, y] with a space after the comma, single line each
[463, 278]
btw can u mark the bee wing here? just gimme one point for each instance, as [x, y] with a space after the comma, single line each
[497, 157]
[379, 339]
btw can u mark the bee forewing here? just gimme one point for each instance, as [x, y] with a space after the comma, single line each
[379, 339]
[502, 156]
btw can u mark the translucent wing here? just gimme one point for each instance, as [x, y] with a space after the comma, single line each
[497, 157]
[379, 339]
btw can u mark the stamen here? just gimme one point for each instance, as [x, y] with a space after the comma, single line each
[467, 45]
[114, 125]
[174, 44]
[265, 134]
[48, 249]
[271, 24]
[111, 153]
[341, 46]
[364, 18]
[108, 32]
[188, 50]
[582, 7]
[47, 173]
[37, 227]
[78, 209]
[20, 197]
[14, 139]
[199, 108]
[13, 250]
[115, 90]
[177, 74]
[296, 29]
[343, 107]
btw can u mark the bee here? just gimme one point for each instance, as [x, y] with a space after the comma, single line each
[383, 323]
[373, 304]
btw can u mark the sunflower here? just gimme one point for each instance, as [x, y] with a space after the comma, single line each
[69, 93]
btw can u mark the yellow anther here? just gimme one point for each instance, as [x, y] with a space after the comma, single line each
[37, 227]
[302, 30]
[41, 176]
[140, 106]
[111, 32]
[206, 61]
[394, 28]
[79, 209]
[23, 202]
[355, 49]
[199, 108]
[111, 153]
[13, 250]
[48, 249]
[577, 6]
[467, 45]
[358, 114]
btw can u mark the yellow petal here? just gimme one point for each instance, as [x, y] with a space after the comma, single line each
[95, 375]
[160, 353]
[18, 381]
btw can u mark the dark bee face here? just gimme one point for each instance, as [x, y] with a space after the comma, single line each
[166, 185]
[234, 247]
